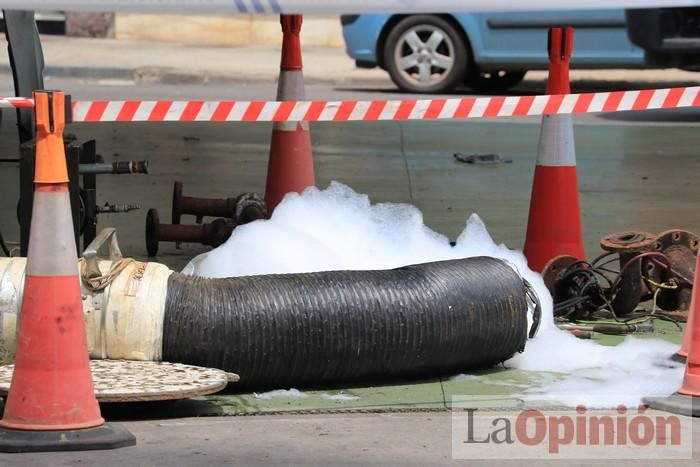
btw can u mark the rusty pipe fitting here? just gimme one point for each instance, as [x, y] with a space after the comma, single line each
[245, 208]
[116, 208]
[250, 207]
[631, 287]
[554, 271]
[212, 234]
[681, 248]
[242, 209]
[117, 167]
[200, 207]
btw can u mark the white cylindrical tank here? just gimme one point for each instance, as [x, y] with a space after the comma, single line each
[122, 321]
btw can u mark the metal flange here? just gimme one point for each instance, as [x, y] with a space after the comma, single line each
[555, 269]
[627, 242]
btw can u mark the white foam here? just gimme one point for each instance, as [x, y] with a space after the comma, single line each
[336, 228]
[324, 230]
[339, 397]
[280, 393]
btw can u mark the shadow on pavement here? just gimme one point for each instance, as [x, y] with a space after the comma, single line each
[531, 87]
[122, 411]
[684, 115]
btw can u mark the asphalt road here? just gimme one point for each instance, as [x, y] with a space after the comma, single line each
[636, 169]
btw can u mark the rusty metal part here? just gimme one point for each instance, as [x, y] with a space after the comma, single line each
[681, 248]
[242, 209]
[627, 242]
[250, 207]
[117, 208]
[136, 381]
[212, 234]
[613, 329]
[581, 334]
[117, 167]
[660, 267]
[555, 269]
[631, 287]
[200, 207]
[679, 316]
[574, 287]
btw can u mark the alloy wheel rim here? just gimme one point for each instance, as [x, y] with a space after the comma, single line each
[424, 55]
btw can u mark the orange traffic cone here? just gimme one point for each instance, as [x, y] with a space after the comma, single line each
[291, 165]
[51, 404]
[682, 354]
[554, 224]
[691, 381]
[687, 400]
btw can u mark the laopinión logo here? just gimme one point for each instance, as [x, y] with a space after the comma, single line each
[634, 432]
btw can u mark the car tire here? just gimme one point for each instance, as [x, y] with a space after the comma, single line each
[425, 54]
[495, 81]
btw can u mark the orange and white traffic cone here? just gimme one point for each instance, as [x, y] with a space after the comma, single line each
[291, 165]
[687, 400]
[691, 380]
[554, 223]
[51, 405]
[682, 354]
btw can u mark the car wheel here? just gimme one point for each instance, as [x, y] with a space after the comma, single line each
[493, 81]
[425, 53]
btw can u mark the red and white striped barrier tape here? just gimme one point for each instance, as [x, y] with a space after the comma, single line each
[356, 110]
[16, 102]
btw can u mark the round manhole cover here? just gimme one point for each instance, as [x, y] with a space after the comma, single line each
[132, 381]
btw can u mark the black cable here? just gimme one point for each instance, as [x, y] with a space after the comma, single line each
[603, 256]
[585, 294]
[610, 261]
[3, 245]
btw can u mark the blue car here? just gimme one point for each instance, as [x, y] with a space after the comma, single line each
[486, 51]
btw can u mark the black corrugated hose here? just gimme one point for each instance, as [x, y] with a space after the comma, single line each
[347, 326]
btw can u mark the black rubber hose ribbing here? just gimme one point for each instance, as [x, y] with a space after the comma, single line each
[343, 326]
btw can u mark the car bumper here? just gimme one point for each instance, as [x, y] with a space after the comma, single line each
[361, 35]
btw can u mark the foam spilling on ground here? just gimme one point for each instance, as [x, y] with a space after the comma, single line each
[337, 228]
[293, 393]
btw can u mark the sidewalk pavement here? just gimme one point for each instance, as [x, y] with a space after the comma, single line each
[409, 439]
[176, 63]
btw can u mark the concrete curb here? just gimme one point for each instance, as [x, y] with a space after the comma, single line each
[80, 72]
[174, 76]
[166, 75]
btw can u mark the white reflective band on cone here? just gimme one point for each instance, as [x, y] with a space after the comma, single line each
[123, 321]
[291, 88]
[49, 257]
[330, 6]
[556, 147]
